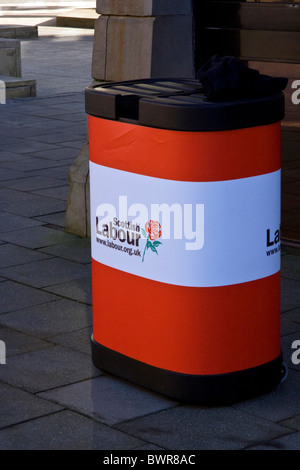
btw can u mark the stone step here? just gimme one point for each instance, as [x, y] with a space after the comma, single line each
[18, 32]
[79, 18]
[17, 87]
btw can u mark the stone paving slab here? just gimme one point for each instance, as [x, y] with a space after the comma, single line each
[109, 400]
[30, 163]
[55, 111]
[59, 154]
[15, 296]
[43, 369]
[36, 237]
[38, 125]
[76, 144]
[40, 205]
[11, 222]
[293, 422]
[79, 340]
[59, 192]
[59, 137]
[280, 404]
[12, 196]
[79, 290]
[191, 427]
[49, 319]
[13, 255]
[59, 172]
[288, 327]
[290, 294]
[289, 442]
[78, 249]
[8, 174]
[75, 77]
[19, 342]
[291, 266]
[32, 183]
[293, 315]
[47, 272]
[23, 406]
[8, 156]
[57, 219]
[7, 140]
[65, 430]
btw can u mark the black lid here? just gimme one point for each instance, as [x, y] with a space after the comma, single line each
[178, 104]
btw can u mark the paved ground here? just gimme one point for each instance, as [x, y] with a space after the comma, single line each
[51, 396]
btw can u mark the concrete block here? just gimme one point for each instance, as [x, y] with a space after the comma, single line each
[129, 48]
[78, 202]
[99, 48]
[18, 32]
[173, 47]
[144, 7]
[10, 57]
[17, 87]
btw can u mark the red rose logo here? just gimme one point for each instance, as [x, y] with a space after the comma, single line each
[153, 229]
[152, 232]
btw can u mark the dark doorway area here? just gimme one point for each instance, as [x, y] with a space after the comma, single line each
[266, 35]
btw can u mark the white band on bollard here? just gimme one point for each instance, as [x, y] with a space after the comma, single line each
[204, 234]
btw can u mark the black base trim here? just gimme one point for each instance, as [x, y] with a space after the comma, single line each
[205, 389]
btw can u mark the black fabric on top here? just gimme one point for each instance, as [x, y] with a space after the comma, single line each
[228, 78]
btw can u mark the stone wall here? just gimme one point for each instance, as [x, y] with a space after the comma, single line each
[142, 39]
